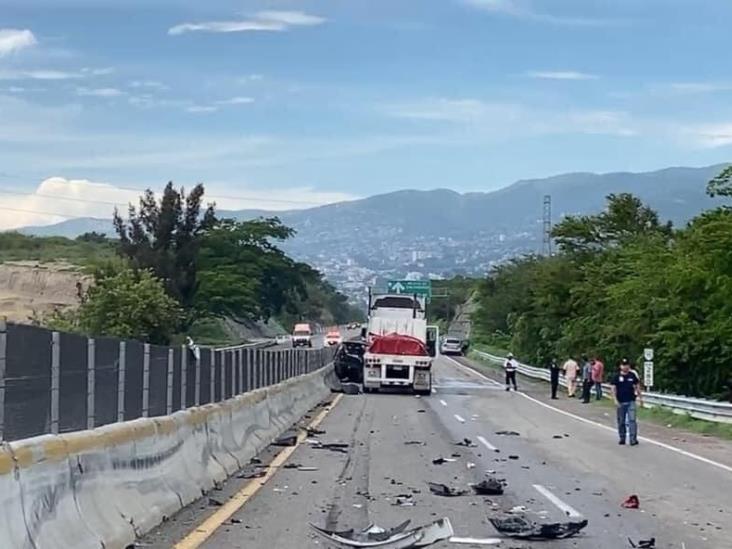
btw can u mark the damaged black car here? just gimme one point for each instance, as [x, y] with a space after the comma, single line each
[348, 360]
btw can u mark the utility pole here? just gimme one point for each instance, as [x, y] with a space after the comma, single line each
[547, 226]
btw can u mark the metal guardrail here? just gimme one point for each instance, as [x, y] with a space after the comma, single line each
[699, 408]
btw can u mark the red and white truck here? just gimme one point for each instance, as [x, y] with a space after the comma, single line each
[400, 345]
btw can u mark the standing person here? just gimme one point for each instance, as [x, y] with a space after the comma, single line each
[570, 374]
[598, 376]
[626, 391]
[586, 380]
[510, 366]
[554, 370]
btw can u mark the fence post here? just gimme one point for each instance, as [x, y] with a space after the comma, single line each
[91, 383]
[223, 375]
[183, 375]
[55, 379]
[240, 367]
[250, 369]
[197, 389]
[3, 367]
[121, 381]
[169, 395]
[212, 381]
[146, 380]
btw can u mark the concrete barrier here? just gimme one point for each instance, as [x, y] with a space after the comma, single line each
[106, 487]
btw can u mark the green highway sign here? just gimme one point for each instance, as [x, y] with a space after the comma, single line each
[419, 287]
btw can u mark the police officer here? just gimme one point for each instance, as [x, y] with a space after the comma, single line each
[554, 371]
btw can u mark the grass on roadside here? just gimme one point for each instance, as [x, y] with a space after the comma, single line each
[657, 415]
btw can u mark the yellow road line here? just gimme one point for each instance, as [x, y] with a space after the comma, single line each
[206, 529]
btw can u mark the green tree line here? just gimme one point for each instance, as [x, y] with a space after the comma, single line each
[177, 264]
[620, 281]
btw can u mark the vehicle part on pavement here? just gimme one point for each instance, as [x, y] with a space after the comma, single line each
[508, 433]
[441, 460]
[467, 443]
[396, 538]
[339, 447]
[523, 528]
[286, 440]
[444, 490]
[476, 541]
[643, 543]
[631, 502]
[489, 487]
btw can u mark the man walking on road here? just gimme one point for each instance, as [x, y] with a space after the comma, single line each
[626, 391]
[598, 376]
[510, 366]
[554, 371]
[586, 380]
[570, 374]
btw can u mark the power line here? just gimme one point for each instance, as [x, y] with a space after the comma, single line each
[66, 216]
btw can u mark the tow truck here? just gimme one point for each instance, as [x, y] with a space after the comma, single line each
[401, 345]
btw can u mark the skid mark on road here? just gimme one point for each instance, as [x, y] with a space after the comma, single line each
[663, 445]
[565, 508]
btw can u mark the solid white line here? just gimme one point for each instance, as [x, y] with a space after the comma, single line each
[487, 444]
[684, 453]
[459, 418]
[567, 509]
[493, 381]
[443, 402]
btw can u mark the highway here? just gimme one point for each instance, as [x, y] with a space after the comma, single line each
[564, 462]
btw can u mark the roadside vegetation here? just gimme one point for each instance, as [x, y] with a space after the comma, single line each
[620, 281]
[177, 269]
[448, 295]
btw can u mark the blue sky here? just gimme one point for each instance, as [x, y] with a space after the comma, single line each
[292, 103]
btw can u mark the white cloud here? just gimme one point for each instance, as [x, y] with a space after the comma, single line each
[561, 75]
[103, 71]
[236, 101]
[522, 9]
[58, 198]
[700, 87]
[13, 40]
[263, 21]
[41, 74]
[99, 92]
[148, 84]
[201, 109]
[710, 135]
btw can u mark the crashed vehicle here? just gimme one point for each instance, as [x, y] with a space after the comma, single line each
[348, 360]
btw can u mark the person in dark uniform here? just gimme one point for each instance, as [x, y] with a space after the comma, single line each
[626, 392]
[554, 371]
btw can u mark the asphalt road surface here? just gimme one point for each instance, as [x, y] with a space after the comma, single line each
[564, 465]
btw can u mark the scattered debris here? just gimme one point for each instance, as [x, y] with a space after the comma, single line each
[213, 502]
[307, 468]
[421, 411]
[557, 436]
[255, 461]
[523, 528]
[312, 432]
[441, 460]
[414, 443]
[340, 447]
[467, 443]
[476, 541]
[631, 502]
[644, 543]
[513, 457]
[488, 487]
[444, 490]
[470, 465]
[235, 521]
[404, 500]
[508, 433]
[286, 440]
[396, 538]
[291, 466]
[252, 475]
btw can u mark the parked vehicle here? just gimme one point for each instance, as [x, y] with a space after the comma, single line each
[333, 338]
[282, 339]
[348, 360]
[302, 335]
[451, 346]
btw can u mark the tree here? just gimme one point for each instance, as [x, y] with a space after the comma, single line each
[128, 303]
[721, 184]
[165, 236]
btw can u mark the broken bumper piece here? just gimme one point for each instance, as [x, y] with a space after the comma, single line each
[396, 538]
[522, 528]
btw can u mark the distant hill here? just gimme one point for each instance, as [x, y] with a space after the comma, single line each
[444, 232]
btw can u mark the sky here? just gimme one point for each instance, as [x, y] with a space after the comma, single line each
[285, 104]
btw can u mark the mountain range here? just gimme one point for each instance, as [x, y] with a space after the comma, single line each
[442, 232]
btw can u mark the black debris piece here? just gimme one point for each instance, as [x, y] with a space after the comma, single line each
[340, 447]
[467, 443]
[255, 461]
[557, 436]
[513, 457]
[421, 411]
[286, 440]
[508, 433]
[523, 528]
[235, 521]
[644, 543]
[213, 502]
[404, 500]
[440, 461]
[444, 490]
[489, 487]
[414, 443]
[311, 432]
[291, 466]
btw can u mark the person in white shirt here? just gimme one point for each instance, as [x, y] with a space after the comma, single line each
[510, 366]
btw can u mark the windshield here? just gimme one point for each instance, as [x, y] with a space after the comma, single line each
[301, 333]
[452, 341]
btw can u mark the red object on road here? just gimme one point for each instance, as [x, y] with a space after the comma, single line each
[632, 502]
[396, 344]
